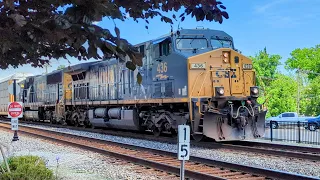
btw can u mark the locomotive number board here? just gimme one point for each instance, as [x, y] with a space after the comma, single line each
[197, 65]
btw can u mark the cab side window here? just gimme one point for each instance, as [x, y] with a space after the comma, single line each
[165, 48]
[142, 50]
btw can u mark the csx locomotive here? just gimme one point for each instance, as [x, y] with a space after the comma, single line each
[192, 76]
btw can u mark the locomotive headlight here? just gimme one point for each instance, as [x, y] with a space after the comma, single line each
[219, 91]
[226, 57]
[254, 91]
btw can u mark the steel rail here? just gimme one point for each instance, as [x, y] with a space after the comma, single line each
[271, 149]
[164, 167]
[278, 146]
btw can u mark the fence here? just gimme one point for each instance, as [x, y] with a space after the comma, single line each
[298, 132]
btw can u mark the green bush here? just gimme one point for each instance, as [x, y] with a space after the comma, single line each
[26, 168]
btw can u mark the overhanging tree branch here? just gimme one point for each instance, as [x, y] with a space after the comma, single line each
[31, 32]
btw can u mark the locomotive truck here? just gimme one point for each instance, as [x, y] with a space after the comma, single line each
[192, 76]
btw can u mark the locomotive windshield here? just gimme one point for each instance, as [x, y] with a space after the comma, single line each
[219, 43]
[192, 43]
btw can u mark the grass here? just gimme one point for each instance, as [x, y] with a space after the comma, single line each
[26, 168]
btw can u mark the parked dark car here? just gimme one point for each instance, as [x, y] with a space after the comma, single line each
[313, 123]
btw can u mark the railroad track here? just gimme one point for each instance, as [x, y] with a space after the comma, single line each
[278, 150]
[297, 152]
[196, 168]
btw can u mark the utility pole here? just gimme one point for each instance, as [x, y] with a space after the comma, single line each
[46, 66]
[15, 135]
[298, 94]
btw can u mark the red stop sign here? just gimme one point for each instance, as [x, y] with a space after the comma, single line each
[14, 109]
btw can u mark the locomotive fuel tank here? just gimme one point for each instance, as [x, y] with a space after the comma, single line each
[115, 118]
[31, 115]
[114, 113]
[100, 112]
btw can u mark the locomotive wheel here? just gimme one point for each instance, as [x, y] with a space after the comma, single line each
[75, 120]
[63, 122]
[156, 131]
[86, 124]
[173, 132]
[53, 121]
[198, 137]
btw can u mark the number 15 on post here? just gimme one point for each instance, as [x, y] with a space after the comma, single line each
[183, 142]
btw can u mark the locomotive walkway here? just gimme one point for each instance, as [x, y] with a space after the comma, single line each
[196, 168]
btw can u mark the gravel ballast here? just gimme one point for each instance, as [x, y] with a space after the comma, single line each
[304, 167]
[70, 163]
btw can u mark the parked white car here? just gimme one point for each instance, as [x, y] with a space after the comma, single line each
[286, 118]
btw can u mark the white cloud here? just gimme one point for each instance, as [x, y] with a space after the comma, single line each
[265, 7]
[281, 13]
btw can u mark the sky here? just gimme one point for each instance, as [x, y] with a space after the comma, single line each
[279, 25]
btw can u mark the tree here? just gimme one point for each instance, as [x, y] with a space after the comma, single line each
[61, 67]
[282, 95]
[307, 62]
[310, 98]
[278, 91]
[265, 66]
[305, 59]
[31, 32]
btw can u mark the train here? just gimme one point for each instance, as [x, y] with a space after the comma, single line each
[6, 90]
[194, 77]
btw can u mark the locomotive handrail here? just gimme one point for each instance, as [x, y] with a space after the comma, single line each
[202, 83]
[194, 85]
[201, 89]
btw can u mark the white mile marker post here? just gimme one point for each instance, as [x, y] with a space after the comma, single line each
[183, 146]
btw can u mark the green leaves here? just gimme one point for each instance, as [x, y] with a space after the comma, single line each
[130, 65]
[268, 79]
[280, 90]
[281, 95]
[310, 98]
[139, 78]
[265, 66]
[305, 59]
[33, 31]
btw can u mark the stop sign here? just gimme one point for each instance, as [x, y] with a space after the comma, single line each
[15, 109]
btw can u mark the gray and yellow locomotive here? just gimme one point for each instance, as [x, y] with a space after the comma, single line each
[193, 76]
